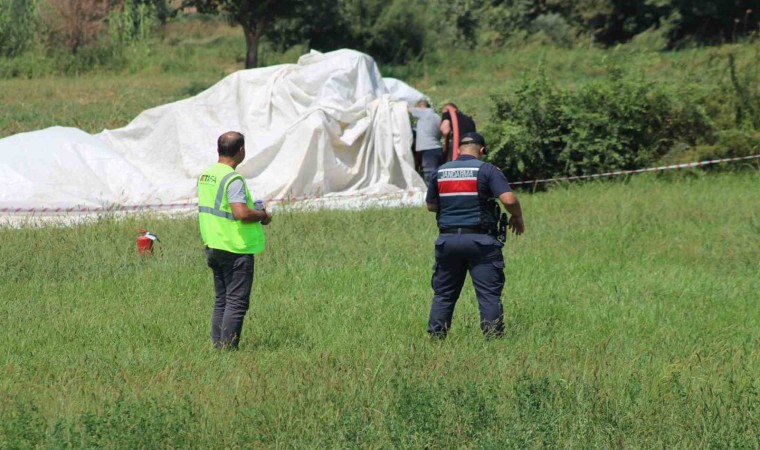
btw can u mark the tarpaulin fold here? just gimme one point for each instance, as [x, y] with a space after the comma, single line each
[329, 125]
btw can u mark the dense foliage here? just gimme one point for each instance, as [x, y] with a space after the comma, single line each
[622, 121]
[72, 36]
[17, 19]
[399, 31]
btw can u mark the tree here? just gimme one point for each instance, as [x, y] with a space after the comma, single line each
[391, 31]
[75, 24]
[255, 16]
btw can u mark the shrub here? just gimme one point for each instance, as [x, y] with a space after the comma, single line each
[80, 36]
[18, 22]
[526, 132]
[398, 36]
[555, 28]
[620, 122]
[746, 93]
[132, 23]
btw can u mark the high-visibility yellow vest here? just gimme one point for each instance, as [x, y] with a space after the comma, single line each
[219, 228]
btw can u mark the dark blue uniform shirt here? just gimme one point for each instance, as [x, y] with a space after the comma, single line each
[491, 182]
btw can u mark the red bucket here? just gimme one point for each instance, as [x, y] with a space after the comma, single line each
[144, 245]
[145, 242]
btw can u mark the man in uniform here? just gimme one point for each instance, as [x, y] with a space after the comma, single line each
[231, 230]
[463, 195]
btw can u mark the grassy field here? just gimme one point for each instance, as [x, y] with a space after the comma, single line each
[632, 307]
[632, 321]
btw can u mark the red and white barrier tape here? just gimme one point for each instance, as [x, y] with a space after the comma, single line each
[171, 206]
[650, 169]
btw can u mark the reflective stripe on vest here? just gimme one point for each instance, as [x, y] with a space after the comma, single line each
[459, 205]
[216, 210]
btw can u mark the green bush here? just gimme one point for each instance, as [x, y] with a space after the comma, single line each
[555, 28]
[116, 42]
[398, 36]
[619, 122]
[18, 21]
[28, 65]
[728, 144]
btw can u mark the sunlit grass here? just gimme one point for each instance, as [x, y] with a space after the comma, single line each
[632, 320]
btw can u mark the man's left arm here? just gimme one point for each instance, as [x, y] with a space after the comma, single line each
[500, 189]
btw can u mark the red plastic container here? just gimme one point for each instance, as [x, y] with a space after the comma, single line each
[144, 245]
[145, 242]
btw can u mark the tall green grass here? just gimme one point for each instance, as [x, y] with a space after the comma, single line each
[632, 321]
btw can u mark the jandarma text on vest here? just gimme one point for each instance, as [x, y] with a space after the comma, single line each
[469, 172]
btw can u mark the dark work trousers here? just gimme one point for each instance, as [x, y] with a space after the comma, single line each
[455, 255]
[431, 159]
[233, 278]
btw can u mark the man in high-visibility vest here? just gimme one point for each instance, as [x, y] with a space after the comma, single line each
[231, 228]
[463, 195]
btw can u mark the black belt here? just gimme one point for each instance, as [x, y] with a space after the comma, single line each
[463, 231]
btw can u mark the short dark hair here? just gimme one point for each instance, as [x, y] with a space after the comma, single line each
[229, 143]
[450, 104]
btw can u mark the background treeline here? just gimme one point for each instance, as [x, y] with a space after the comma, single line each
[399, 30]
[396, 31]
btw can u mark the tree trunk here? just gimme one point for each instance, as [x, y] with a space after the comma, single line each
[252, 37]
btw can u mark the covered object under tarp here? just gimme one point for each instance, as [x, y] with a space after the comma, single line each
[329, 125]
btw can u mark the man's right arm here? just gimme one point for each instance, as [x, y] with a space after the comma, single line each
[445, 131]
[238, 203]
[509, 199]
[445, 127]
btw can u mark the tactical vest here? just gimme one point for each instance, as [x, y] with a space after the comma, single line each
[459, 203]
[219, 228]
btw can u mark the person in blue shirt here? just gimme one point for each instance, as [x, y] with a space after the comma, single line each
[463, 194]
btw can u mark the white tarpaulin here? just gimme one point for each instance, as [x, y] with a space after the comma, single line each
[329, 124]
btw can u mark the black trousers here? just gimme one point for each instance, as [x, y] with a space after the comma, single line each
[455, 255]
[233, 278]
